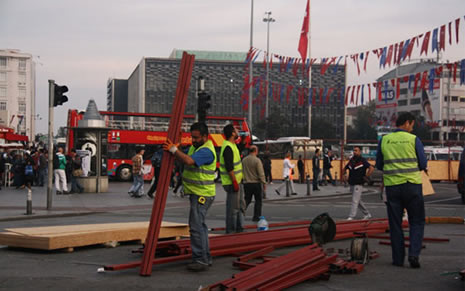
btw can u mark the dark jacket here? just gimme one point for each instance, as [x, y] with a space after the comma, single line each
[357, 167]
[327, 162]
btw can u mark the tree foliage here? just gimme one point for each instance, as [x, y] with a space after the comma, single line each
[363, 128]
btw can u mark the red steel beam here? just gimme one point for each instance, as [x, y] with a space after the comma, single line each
[431, 239]
[256, 254]
[179, 104]
[388, 243]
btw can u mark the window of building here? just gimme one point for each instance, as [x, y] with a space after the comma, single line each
[3, 77]
[22, 106]
[3, 62]
[3, 105]
[22, 92]
[415, 101]
[403, 91]
[2, 92]
[462, 99]
[455, 99]
[402, 102]
[445, 98]
[22, 65]
[22, 78]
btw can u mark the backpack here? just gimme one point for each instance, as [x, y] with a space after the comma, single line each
[28, 170]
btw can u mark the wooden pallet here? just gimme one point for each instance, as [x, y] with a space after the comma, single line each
[70, 236]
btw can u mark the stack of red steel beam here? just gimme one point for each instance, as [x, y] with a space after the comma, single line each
[252, 241]
[306, 263]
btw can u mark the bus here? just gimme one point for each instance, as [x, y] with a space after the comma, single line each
[128, 130]
[297, 146]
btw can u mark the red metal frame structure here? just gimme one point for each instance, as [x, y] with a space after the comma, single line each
[179, 104]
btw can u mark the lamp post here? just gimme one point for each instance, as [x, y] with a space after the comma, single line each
[251, 67]
[268, 19]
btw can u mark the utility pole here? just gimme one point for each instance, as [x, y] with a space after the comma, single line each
[51, 98]
[251, 68]
[268, 19]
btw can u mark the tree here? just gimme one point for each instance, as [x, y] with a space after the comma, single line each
[322, 129]
[62, 130]
[275, 126]
[363, 128]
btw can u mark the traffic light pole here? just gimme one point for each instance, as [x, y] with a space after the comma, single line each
[51, 97]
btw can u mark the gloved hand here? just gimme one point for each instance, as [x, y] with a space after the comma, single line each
[235, 186]
[169, 146]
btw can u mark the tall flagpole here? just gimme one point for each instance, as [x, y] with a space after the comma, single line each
[309, 73]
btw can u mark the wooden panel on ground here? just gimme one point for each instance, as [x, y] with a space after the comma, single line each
[69, 236]
[427, 186]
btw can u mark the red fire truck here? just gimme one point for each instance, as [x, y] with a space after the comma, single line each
[129, 130]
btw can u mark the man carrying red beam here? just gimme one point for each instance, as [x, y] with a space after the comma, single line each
[401, 157]
[199, 183]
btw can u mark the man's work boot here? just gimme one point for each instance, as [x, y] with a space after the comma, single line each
[414, 262]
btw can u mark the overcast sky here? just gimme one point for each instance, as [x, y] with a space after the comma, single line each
[83, 43]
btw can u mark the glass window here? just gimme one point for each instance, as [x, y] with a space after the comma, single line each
[3, 62]
[22, 78]
[455, 98]
[22, 65]
[22, 106]
[415, 101]
[2, 92]
[402, 102]
[462, 99]
[3, 77]
[22, 93]
[3, 105]
[445, 98]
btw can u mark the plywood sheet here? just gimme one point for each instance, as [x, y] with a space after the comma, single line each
[426, 183]
[69, 236]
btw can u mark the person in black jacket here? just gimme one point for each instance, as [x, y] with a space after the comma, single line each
[316, 169]
[327, 159]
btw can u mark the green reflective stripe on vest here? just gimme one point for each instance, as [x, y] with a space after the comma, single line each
[400, 159]
[414, 160]
[225, 178]
[200, 180]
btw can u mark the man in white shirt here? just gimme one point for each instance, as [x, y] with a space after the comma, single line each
[287, 174]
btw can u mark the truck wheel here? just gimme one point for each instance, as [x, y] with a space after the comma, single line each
[124, 173]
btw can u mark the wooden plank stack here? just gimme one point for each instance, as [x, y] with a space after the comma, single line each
[70, 236]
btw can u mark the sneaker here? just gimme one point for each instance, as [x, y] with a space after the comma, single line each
[368, 216]
[271, 183]
[350, 218]
[414, 262]
[277, 192]
[197, 267]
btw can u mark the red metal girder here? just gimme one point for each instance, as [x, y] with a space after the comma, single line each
[243, 265]
[431, 239]
[388, 243]
[358, 268]
[277, 224]
[256, 254]
[310, 271]
[179, 104]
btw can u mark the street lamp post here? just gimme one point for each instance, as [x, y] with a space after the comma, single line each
[251, 68]
[268, 19]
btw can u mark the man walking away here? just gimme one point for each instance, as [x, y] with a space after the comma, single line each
[156, 164]
[59, 167]
[231, 177]
[254, 177]
[357, 167]
[199, 183]
[137, 188]
[327, 159]
[316, 169]
[301, 167]
[401, 157]
[267, 168]
[288, 168]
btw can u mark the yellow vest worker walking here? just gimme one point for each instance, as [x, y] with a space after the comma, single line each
[401, 157]
[231, 177]
[199, 183]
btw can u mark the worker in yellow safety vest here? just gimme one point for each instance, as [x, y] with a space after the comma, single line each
[231, 177]
[401, 157]
[199, 183]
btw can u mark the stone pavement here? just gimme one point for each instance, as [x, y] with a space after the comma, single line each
[13, 201]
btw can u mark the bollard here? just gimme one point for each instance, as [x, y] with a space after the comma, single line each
[29, 202]
[309, 189]
[288, 194]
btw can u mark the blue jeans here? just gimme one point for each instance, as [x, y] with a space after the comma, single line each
[399, 197]
[198, 229]
[137, 185]
[42, 176]
[75, 185]
[234, 210]
[316, 173]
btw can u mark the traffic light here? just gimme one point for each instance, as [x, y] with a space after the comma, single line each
[203, 105]
[59, 98]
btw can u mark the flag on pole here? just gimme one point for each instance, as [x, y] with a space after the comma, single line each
[303, 42]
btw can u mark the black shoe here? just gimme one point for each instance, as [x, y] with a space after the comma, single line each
[414, 262]
[317, 189]
[66, 192]
[59, 192]
[277, 192]
[71, 192]
[294, 194]
[197, 267]
[137, 196]
[398, 264]
[150, 195]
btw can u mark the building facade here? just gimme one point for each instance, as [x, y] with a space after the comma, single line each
[17, 92]
[117, 95]
[152, 87]
[441, 105]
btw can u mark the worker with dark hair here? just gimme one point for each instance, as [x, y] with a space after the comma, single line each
[198, 180]
[401, 157]
[231, 178]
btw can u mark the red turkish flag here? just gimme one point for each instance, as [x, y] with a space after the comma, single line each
[424, 46]
[303, 42]
[442, 38]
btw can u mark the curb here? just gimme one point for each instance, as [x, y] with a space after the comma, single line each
[41, 216]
